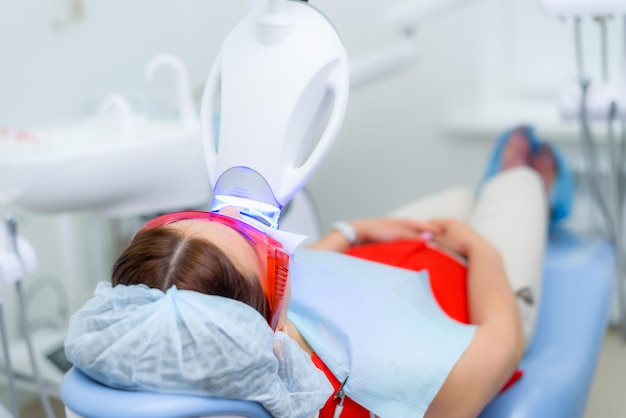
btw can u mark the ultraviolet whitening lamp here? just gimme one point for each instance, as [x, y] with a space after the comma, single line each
[272, 106]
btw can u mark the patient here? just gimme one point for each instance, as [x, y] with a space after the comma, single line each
[483, 256]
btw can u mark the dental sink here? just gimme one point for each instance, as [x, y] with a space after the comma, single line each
[156, 167]
[116, 162]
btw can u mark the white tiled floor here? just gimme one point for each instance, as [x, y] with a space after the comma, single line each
[607, 398]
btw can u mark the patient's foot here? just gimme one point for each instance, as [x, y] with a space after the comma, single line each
[517, 150]
[544, 162]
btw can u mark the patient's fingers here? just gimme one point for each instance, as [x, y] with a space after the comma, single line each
[420, 227]
[456, 236]
[390, 229]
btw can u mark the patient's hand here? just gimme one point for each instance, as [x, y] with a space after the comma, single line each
[377, 230]
[457, 236]
[391, 229]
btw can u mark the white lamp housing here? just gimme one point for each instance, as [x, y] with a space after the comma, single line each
[280, 79]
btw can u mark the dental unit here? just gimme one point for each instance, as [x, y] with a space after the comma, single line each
[602, 101]
[583, 271]
[17, 258]
[280, 87]
[259, 166]
[68, 167]
[405, 18]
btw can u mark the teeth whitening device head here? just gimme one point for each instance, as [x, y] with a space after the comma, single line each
[272, 107]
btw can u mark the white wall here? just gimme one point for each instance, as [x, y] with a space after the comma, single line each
[51, 74]
[406, 136]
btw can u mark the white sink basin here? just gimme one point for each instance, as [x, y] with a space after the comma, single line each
[158, 166]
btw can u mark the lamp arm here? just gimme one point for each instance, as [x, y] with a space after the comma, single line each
[406, 17]
[383, 62]
[416, 13]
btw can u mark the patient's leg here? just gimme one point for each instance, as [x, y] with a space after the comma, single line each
[511, 212]
[453, 203]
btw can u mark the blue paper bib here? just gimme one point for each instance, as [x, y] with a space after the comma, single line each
[377, 325]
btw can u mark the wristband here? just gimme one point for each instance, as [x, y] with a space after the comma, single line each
[347, 230]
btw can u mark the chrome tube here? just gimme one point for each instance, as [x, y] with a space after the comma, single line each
[615, 174]
[11, 224]
[8, 365]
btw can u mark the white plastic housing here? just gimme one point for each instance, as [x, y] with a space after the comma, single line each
[185, 100]
[118, 162]
[600, 98]
[379, 64]
[583, 7]
[13, 268]
[277, 77]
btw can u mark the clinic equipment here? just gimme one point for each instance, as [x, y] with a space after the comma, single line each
[114, 162]
[280, 78]
[259, 162]
[17, 258]
[584, 7]
[579, 274]
[587, 101]
[405, 18]
[117, 162]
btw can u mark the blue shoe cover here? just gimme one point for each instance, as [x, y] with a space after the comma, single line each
[564, 188]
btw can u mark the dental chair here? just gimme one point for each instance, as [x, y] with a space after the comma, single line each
[560, 362]
[86, 398]
[558, 366]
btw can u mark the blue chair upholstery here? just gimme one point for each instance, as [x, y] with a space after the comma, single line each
[560, 362]
[88, 398]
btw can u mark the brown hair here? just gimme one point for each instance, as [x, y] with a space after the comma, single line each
[162, 257]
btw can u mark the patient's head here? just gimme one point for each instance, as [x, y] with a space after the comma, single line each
[180, 254]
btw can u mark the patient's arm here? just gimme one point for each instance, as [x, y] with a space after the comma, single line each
[497, 346]
[375, 230]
